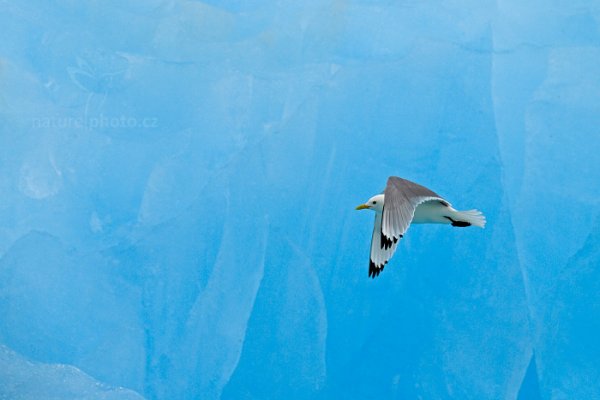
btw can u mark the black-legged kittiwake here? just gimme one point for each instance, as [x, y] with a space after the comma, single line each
[403, 203]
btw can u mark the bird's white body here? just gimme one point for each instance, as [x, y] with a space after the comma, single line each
[431, 212]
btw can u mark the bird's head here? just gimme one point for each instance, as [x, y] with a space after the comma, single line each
[375, 203]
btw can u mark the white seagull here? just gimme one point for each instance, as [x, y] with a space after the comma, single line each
[403, 203]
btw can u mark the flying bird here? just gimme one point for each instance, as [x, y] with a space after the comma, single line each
[403, 203]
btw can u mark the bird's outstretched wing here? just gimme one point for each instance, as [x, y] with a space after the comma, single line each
[382, 249]
[401, 199]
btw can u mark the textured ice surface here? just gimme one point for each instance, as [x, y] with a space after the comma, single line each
[26, 380]
[63, 306]
[178, 182]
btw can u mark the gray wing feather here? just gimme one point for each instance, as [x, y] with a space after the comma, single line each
[401, 199]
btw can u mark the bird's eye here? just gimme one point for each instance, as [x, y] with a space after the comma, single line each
[374, 202]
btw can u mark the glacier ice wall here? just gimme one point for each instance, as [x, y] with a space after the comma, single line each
[26, 380]
[179, 178]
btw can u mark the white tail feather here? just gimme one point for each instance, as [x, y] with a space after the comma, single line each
[474, 217]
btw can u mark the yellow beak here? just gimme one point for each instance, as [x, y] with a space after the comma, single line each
[362, 207]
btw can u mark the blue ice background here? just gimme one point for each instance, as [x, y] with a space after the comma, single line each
[178, 182]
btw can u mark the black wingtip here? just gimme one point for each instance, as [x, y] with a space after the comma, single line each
[387, 242]
[374, 270]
